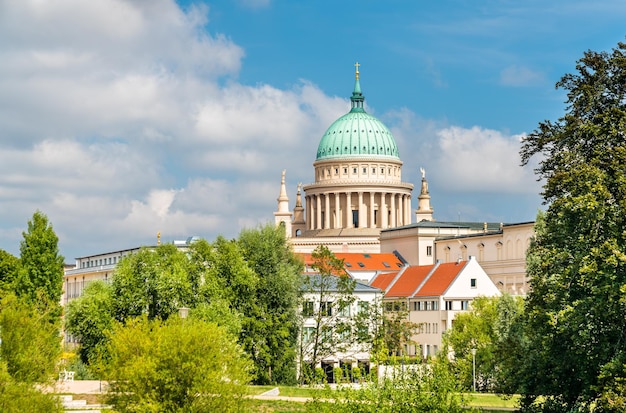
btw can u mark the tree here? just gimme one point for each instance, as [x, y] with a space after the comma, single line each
[29, 345]
[156, 282]
[41, 273]
[9, 269]
[577, 261]
[326, 294]
[397, 327]
[493, 329]
[271, 326]
[90, 317]
[19, 397]
[177, 365]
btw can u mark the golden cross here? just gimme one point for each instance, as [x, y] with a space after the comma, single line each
[357, 69]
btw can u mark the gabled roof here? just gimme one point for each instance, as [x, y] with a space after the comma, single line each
[409, 281]
[383, 280]
[356, 261]
[440, 279]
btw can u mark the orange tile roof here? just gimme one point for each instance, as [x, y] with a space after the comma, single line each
[408, 282]
[441, 279]
[382, 281]
[357, 261]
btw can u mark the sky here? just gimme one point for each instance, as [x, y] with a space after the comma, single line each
[120, 119]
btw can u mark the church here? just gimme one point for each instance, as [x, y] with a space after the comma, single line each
[358, 189]
[358, 203]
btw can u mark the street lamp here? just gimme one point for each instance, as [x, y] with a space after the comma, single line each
[474, 368]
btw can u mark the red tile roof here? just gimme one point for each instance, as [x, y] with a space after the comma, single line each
[382, 281]
[441, 279]
[356, 261]
[408, 282]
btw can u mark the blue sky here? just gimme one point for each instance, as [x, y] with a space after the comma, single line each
[120, 119]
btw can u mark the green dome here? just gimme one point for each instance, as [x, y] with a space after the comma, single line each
[357, 134]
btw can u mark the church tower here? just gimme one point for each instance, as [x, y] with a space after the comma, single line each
[282, 216]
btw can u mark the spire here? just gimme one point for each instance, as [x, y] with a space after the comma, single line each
[283, 200]
[357, 98]
[299, 196]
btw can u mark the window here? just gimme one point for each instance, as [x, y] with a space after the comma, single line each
[307, 309]
[448, 305]
[464, 305]
[307, 334]
[435, 327]
[373, 171]
[353, 170]
[364, 170]
[429, 250]
[336, 171]
[435, 305]
[344, 309]
[428, 305]
[415, 305]
[345, 171]
[326, 308]
[473, 283]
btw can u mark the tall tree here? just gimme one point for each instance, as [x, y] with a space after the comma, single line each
[577, 262]
[41, 274]
[271, 325]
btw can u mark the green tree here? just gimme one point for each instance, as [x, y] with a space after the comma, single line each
[41, 273]
[493, 328]
[19, 397]
[30, 346]
[577, 262]
[177, 365]
[90, 317]
[397, 327]
[271, 324]
[155, 282]
[9, 269]
[326, 295]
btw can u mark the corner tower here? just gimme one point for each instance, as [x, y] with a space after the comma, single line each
[358, 188]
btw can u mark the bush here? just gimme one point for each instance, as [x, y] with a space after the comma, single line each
[175, 365]
[338, 374]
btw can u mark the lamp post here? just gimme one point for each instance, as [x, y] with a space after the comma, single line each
[474, 368]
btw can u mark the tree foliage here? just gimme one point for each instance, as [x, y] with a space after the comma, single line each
[494, 329]
[89, 318]
[178, 365]
[20, 397]
[271, 324]
[41, 273]
[9, 270]
[577, 262]
[30, 344]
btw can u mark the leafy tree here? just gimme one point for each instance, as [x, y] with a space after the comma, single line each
[428, 387]
[9, 269]
[155, 282]
[30, 345]
[177, 365]
[90, 317]
[577, 262]
[271, 324]
[327, 294]
[19, 397]
[41, 273]
[397, 327]
[493, 328]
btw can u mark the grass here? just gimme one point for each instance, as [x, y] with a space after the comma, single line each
[492, 400]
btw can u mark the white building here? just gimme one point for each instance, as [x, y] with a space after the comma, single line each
[433, 295]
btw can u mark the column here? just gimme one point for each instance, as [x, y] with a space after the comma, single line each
[309, 212]
[409, 210]
[401, 210]
[383, 210]
[337, 211]
[362, 218]
[318, 212]
[393, 210]
[349, 223]
[327, 210]
[372, 224]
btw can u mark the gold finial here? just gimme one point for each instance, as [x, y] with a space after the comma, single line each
[357, 70]
[159, 238]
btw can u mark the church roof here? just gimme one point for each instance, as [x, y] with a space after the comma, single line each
[357, 134]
